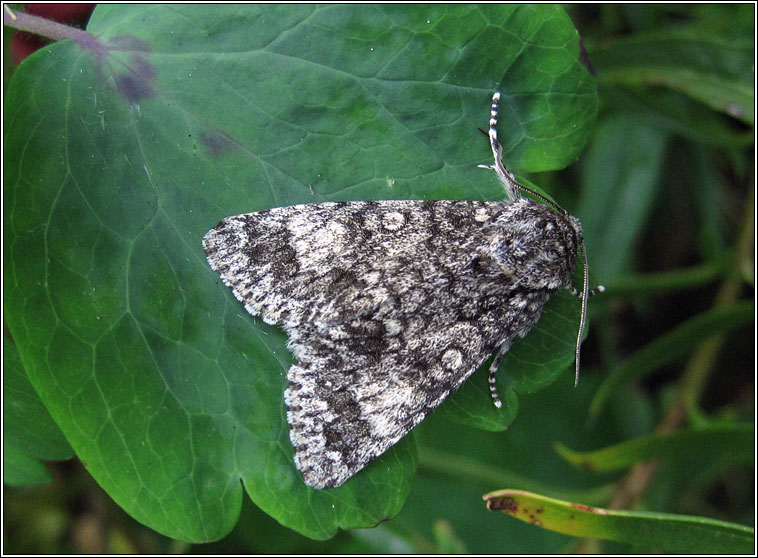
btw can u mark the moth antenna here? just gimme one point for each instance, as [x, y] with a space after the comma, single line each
[583, 318]
[584, 294]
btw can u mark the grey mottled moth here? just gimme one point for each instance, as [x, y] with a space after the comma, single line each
[390, 305]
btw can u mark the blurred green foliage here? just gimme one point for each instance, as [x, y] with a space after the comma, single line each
[665, 193]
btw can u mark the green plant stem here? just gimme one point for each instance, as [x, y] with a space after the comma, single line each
[696, 373]
[461, 467]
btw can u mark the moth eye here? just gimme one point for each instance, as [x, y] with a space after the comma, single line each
[546, 224]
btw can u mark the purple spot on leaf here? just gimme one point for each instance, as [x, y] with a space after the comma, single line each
[137, 82]
[216, 143]
[135, 79]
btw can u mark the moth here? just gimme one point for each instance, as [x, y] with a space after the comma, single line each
[390, 305]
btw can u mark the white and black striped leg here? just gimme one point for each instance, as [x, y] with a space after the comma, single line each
[511, 186]
[493, 372]
[507, 179]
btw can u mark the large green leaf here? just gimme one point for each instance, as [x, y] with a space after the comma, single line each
[120, 155]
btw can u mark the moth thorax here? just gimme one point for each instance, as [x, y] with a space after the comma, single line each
[535, 245]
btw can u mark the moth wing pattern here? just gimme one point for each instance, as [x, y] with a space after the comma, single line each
[388, 306]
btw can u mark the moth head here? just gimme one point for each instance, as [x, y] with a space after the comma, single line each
[535, 245]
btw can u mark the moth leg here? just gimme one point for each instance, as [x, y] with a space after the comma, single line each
[511, 186]
[507, 179]
[576, 292]
[493, 372]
